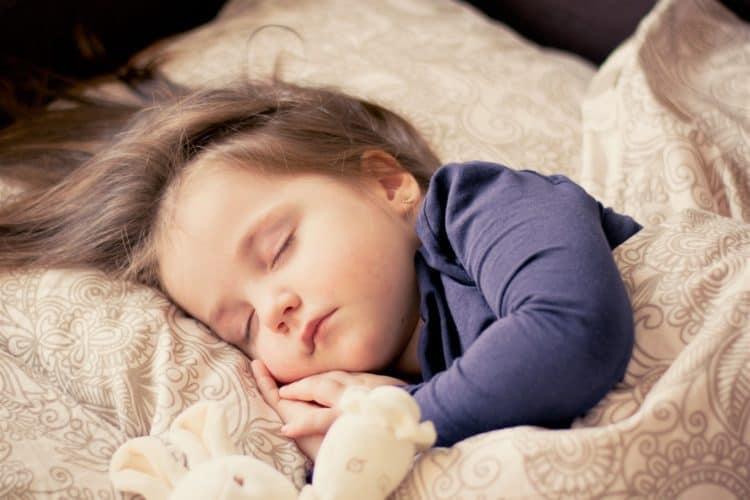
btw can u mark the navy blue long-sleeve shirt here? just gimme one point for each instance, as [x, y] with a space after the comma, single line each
[526, 318]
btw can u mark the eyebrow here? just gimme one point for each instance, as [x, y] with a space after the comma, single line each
[260, 224]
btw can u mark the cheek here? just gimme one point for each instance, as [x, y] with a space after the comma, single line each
[284, 371]
[334, 267]
[369, 353]
[268, 352]
[360, 262]
[283, 363]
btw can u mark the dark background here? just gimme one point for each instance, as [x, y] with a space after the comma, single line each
[590, 28]
[48, 45]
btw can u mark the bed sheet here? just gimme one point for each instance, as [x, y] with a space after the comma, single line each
[659, 131]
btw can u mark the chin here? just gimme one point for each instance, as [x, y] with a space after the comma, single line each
[371, 365]
[287, 378]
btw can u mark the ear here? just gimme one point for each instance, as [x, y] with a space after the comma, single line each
[201, 431]
[144, 466]
[397, 187]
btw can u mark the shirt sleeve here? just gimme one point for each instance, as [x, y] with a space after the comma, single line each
[536, 249]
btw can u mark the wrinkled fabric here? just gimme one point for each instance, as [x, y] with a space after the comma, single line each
[526, 318]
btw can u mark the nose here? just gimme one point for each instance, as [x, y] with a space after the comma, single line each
[280, 311]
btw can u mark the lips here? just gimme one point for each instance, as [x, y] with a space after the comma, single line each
[312, 328]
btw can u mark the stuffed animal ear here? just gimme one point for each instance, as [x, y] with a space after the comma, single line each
[143, 465]
[201, 431]
[395, 408]
[353, 400]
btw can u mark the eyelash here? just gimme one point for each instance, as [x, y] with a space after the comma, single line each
[247, 328]
[284, 247]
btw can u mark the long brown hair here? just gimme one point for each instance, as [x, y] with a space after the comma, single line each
[106, 211]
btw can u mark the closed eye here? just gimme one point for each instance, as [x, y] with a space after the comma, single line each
[246, 337]
[284, 247]
[279, 253]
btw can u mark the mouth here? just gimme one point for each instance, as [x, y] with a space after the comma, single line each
[312, 331]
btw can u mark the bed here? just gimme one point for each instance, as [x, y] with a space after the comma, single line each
[661, 131]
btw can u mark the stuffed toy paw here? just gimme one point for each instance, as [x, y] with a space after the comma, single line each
[366, 454]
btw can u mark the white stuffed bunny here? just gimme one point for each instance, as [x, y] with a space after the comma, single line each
[365, 455]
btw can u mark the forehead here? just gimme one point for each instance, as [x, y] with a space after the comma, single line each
[209, 213]
[199, 217]
[208, 201]
[212, 191]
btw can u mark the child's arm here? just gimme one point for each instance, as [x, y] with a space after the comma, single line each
[535, 250]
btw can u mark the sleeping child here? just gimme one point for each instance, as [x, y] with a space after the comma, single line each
[319, 234]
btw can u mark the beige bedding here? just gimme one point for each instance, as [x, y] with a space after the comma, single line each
[86, 362]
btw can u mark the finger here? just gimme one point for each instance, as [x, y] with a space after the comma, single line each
[266, 383]
[316, 422]
[322, 390]
[310, 445]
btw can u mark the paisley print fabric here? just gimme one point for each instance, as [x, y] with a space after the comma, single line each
[660, 131]
[677, 426]
[665, 119]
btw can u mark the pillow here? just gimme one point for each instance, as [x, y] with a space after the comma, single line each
[472, 86]
[86, 362]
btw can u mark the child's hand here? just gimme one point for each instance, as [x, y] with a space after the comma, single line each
[325, 390]
[291, 410]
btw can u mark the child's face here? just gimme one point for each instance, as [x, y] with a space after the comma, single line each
[325, 251]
